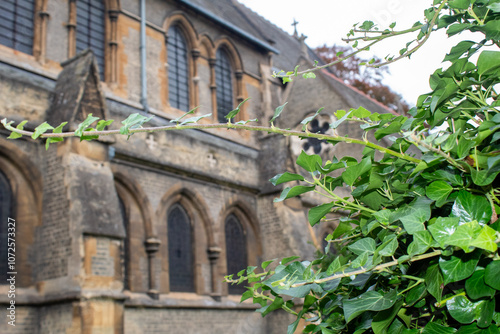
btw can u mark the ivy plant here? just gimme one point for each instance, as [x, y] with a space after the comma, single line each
[417, 247]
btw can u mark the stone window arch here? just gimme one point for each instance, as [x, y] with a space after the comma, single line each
[180, 250]
[178, 69]
[242, 246]
[92, 24]
[236, 250]
[6, 202]
[17, 24]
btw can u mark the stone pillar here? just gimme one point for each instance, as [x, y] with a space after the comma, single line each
[152, 246]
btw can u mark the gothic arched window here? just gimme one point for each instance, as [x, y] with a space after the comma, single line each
[236, 250]
[91, 29]
[5, 214]
[16, 24]
[180, 250]
[178, 69]
[224, 83]
[125, 251]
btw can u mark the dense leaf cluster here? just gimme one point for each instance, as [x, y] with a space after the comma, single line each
[418, 250]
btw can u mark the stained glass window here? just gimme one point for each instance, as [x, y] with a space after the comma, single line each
[180, 250]
[90, 29]
[5, 214]
[224, 83]
[236, 250]
[16, 24]
[178, 70]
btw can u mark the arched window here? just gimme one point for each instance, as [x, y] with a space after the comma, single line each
[91, 29]
[180, 250]
[5, 214]
[16, 24]
[125, 251]
[178, 69]
[236, 250]
[224, 83]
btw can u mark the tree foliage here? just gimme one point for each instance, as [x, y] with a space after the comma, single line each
[418, 248]
[368, 80]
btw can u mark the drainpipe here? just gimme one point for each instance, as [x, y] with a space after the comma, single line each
[144, 87]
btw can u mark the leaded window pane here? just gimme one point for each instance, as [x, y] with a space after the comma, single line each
[224, 83]
[16, 24]
[180, 250]
[125, 251]
[236, 250]
[178, 70]
[5, 214]
[91, 29]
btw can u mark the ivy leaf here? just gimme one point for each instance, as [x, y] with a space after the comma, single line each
[457, 268]
[474, 329]
[469, 207]
[309, 75]
[317, 213]
[492, 273]
[278, 111]
[465, 311]
[55, 140]
[245, 122]
[422, 241]
[476, 287]
[178, 119]
[275, 305]
[292, 192]
[439, 192]
[389, 246]
[464, 235]
[286, 177]
[336, 124]
[85, 124]
[343, 227]
[434, 281]
[443, 229]
[414, 215]
[194, 119]
[41, 129]
[434, 328]
[486, 239]
[483, 177]
[351, 174]
[15, 135]
[102, 124]
[235, 112]
[363, 245]
[309, 162]
[368, 301]
[308, 120]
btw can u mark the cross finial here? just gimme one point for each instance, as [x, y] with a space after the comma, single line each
[294, 24]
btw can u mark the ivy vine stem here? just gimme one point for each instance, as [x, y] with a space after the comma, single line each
[273, 129]
[365, 270]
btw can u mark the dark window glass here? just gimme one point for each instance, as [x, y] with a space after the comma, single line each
[90, 29]
[125, 251]
[224, 83]
[236, 250]
[5, 214]
[180, 250]
[16, 24]
[178, 71]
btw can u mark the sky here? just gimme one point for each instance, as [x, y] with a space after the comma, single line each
[328, 21]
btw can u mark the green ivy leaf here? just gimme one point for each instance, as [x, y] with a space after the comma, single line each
[309, 162]
[275, 305]
[134, 121]
[41, 129]
[476, 286]
[317, 213]
[457, 268]
[278, 111]
[178, 119]
[309, 75]
[434, 281]
[388, 246]
[474, 329]
[85, 124]
[363, 245]
[443, 229]
[15, 135]
[194, 119]
[307, 120]
[292, 192]
[486, 239]
[439, 192]
[286, 177]
[422, 241]
[434, 328]
[492, 273]
[55, 140]
[245, 122]
[102, 124]
[469, 207]
[483, 177]
[336, 124]
[414, 215]
[235, 112]
[343, 227]
[368, 301]
[351, 174]
[465, 311]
